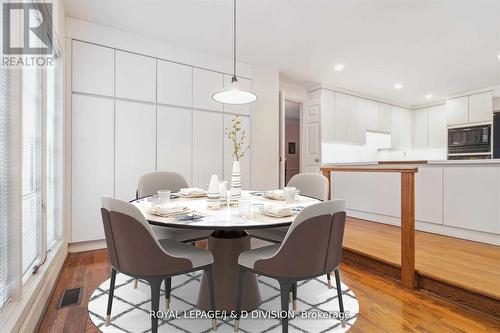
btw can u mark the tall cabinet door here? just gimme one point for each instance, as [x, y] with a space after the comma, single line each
[135, 149]
[135, 76]
[228, 152]
[341, 111]
[207, 147]
[205, 84]
[356, 120]
[92, 143]
[174, 140]
[404, 128]
[437, 126]
[175, 84]
[420, 128]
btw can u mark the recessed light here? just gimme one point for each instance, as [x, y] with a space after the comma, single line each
[398, 86]
[338, 67]
[498, 56]
[428, 96]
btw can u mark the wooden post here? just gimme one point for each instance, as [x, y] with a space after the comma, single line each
[408, 230]
[328, 174]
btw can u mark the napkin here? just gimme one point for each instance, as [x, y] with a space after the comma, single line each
[192, 191]
[277, 210]
[275, 194]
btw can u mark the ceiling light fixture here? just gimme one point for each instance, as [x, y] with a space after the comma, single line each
[428, 96]
[398, 86]
[234, 95]
[498, 56]
[338, 67]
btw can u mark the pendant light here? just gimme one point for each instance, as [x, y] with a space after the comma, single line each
[234, 95]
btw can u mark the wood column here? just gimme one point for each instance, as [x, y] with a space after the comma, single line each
[328, 174]
[408, 230]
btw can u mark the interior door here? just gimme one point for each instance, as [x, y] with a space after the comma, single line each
[312, 144]
[282, 138]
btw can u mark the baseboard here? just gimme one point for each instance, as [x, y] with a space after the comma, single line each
[87, 246]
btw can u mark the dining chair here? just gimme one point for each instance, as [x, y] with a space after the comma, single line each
[134, 250]
[311, 247]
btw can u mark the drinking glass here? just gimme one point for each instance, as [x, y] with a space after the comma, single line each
[290, 192]
[245, 207]
[163, 197]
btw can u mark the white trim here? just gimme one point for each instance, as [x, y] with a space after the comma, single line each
[87, 246]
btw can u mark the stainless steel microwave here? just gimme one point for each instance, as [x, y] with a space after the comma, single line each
[472, 141]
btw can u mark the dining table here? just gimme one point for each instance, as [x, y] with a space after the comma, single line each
[228, 239]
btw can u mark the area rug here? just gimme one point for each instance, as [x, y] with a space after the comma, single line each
[131, 308]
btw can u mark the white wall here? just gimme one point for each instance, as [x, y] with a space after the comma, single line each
[294, 91]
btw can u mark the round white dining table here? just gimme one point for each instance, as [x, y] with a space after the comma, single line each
[228, 239]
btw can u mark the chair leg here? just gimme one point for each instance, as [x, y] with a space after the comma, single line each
[339, 294]
[294, 296]
[329, 278]
[211, 295]
[110, 296]
[168, 289]
[155, 302]
[239, 295]
[284, 289]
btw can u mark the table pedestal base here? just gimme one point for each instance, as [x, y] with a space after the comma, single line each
[226, 246]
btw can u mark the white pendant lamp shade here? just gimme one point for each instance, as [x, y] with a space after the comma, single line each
[234, 95]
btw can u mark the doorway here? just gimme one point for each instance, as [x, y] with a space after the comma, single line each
[292, 139]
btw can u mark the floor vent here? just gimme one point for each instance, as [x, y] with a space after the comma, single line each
[70, 297]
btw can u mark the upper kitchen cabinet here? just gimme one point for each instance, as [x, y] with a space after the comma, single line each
[341, 110]
[404, 128]
[243, 84]
[385, 118]
[328, 110]
[457, 110]
[92, 69]
[135, 77]
[175, 84]
[205, 84]
[394, 127]
[481, 107]
[356, 120]
[372, 116]
[437, 126]
[420, 128]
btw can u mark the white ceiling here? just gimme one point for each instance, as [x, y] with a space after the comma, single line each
[430, 46]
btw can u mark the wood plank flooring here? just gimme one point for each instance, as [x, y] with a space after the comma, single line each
[384, 305]
[469, 265]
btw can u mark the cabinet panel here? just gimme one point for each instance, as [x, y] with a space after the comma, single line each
[244, 84]
[372, 116]
[457, 110]
[481, 107]
[228, 151]
[174, 140]
[341, 111]
[429, 194]
[135, 149]
[205, 84]
[175, 84]
[404, 128]
[328, 116]
[385, 118]
[356, 120]
[420, 128]
[92, 166]
[207, 147]
[395, 127]
[92, 69]
[135, 76]
[437, 127]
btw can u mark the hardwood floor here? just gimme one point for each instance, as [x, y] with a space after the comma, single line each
[469, 265]
[384, 305]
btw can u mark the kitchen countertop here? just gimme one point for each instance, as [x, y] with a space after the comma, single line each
[420, 162]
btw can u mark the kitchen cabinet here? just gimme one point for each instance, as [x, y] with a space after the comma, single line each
[174, 140]
[207, 147]
[341, 112]
[92, 69]
[205, 84]
[92, 167]
[228, 153]
[420, 128]
[481, 107]
[385, 118]
[175, 84]
[372, 116]
[135, 145]
[404, 128]
[243, 84]
[356, 120]
[394, 127]
[135, 77]
[457, 110]
[328, 115]
[437, 131]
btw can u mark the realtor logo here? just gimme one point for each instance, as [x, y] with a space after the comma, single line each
[26, 28]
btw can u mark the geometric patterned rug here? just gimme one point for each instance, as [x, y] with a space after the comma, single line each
[131, 307]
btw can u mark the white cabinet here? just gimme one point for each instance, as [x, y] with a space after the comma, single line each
[372, 116]
[243, 84]
[174, 148]
[385, 118]
[207, 147]
[356, 120]
[135, 148]
[205, 84]
[404, 128]
[437, 132]
[341, 111]
[420, 128]
[457, 110]
[92, 69]
[175, 84]
[92, 150]
[135, 77]
[481, 107]
[328, 111]
[394, 127]
[228, 151]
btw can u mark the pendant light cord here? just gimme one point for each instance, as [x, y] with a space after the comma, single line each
[234, 39]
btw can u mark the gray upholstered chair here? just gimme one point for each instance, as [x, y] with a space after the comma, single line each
[134, 250]
[312, 247]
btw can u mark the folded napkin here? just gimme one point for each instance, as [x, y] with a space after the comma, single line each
[275, 194]
[168, 210]
[277, 210]
[192, 191]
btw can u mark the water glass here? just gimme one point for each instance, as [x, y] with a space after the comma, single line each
[290, 192]
[163, 197]
[245, 207]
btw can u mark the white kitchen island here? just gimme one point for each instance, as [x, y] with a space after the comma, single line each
[455, 198]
